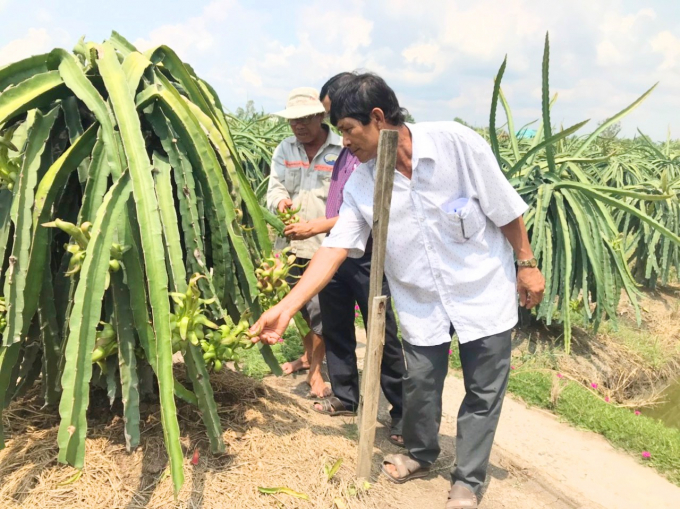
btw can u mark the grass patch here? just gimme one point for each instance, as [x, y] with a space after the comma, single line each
[253, 365]
[584, 409]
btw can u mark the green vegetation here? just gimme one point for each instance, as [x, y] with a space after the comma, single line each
[583, 230]
[119, 179]
[582, 407]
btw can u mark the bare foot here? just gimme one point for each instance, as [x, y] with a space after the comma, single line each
[318, 388]
[295, 366]
[397, 440]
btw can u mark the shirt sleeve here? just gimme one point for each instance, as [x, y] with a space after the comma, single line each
[497, 198]
[351, 232]
[276, 191]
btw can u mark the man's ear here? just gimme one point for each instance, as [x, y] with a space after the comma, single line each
[378, 116]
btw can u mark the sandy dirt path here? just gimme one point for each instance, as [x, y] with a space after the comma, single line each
[539, 462]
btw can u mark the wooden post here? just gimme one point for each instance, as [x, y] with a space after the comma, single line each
[386, 163]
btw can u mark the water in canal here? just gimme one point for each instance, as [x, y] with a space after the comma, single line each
[668, 412]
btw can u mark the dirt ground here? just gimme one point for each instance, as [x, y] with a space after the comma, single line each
[273, 439]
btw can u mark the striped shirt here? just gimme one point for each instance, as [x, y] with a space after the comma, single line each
[342, 169]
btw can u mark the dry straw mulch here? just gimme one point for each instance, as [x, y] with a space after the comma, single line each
[272, 440]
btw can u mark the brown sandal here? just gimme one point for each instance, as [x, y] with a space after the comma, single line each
[332, 406]
[407, 468]
[460, 497]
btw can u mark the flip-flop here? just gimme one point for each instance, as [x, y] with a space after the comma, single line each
[332, 406]
[407, 468]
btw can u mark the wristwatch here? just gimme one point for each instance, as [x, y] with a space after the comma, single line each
[531, 262]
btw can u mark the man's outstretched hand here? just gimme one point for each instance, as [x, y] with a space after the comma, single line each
[270, 327]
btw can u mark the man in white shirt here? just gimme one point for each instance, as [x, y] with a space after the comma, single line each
[454, 222]
[300, 177]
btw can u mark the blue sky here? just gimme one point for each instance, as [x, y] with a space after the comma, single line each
[440, 56]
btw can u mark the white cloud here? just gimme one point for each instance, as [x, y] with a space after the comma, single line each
[609, 54]
[669, 46]
[36, 41]
[440, 57]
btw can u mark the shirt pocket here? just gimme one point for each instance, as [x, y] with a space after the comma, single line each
[463, 219]
[292, 180]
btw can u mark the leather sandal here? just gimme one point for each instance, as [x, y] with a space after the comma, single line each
[407, 468]
[461, 497]
[332, 406]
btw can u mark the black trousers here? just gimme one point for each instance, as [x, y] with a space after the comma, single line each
[350, 284]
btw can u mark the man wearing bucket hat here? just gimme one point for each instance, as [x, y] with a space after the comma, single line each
[300, 177]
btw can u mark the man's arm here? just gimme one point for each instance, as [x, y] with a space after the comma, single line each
[273, 323]
[530, 281]
[302, 231]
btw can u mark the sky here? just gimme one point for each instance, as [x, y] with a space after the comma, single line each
[440, 56]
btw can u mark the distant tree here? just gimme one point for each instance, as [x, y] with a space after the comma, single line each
[409, 118]
[248, 112]
[607, 138]
[461, 121]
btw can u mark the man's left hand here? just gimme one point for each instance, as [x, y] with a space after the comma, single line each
[530, 286]
[299, 231]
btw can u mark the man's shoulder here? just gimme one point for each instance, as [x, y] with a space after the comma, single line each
[447, 129]
[286, 144]
[441, 134]
[334, 139]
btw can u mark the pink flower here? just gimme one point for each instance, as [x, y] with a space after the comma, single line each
[512, 367]
[450, 352]
[356, 315]
[276, 255]
[560, 375]
[280, 340]
[637, 412]
[594, 386]
[356, 307]
[646, 455]
[606, 398]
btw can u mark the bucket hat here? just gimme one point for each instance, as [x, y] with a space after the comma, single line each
[302, 102]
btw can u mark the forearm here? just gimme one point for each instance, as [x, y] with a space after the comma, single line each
[323, 225]
[323, 265]
[516, 233]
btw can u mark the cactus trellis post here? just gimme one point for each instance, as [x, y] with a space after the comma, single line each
[370, 382]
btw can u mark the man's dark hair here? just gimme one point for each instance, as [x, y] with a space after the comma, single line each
[332, 85]
[359, 96]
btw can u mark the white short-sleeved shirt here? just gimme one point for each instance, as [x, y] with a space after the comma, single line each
[446, 259]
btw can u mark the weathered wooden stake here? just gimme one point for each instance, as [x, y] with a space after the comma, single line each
[386, 163]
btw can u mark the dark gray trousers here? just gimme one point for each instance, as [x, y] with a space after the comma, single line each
[486, 366]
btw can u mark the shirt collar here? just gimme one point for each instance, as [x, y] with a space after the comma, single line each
[421, 144]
